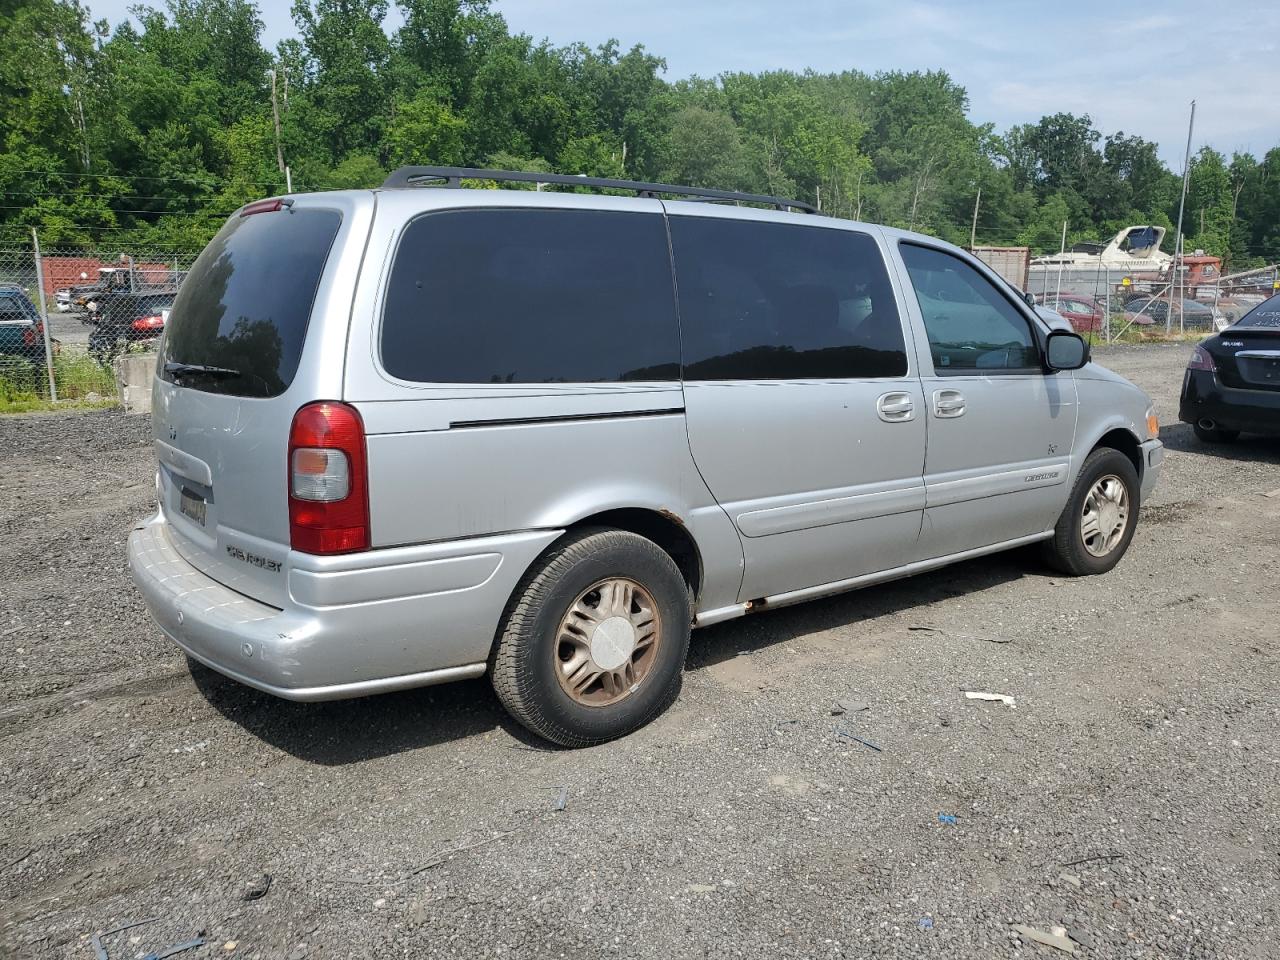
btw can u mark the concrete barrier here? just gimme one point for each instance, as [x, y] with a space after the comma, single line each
[134, 373]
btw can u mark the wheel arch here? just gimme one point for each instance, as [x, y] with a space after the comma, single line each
[664, 527]
[1126, 442]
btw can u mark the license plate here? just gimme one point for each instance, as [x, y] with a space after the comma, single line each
[192, 505]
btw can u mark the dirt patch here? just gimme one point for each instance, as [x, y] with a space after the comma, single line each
[739, 824]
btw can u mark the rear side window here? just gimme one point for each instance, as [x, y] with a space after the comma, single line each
[773, 301]
[244, 306]
[1265, 314]
[13, 310]
[531, 296]
[972, 325]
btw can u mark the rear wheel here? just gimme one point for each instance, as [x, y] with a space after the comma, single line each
[594, 642]
[1215, 434]
[1097, 524]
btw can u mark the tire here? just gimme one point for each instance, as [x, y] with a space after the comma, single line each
[547, 643]
[1215, 434]
[1067, 551]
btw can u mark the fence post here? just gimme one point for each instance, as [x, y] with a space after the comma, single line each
[44, 318]
[1106, 310]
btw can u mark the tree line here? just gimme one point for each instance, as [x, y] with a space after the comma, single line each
[150, 135]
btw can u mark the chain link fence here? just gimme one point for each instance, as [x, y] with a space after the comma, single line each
[1112, 301]
[66, 315]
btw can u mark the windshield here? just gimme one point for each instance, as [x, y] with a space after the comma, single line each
[245, 304]
[1265, 314]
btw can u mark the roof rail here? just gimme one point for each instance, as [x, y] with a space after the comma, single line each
[453, 177]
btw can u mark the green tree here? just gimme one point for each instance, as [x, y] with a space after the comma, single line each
[1209, 214]
[344, 103]
[155, 131]
[425, 130]
[704, 149]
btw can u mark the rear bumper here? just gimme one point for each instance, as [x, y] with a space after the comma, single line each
[1230, 408]
[384, 620]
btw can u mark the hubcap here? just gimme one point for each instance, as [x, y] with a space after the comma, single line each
[1105, 516]
[607, 642]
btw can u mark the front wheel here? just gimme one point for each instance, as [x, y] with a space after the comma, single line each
[594, 641]
[1098, 522]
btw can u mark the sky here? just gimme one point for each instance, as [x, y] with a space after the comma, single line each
[1132, 67]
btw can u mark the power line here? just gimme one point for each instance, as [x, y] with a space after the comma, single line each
[128, 176]
[109, 196]
[162, 213]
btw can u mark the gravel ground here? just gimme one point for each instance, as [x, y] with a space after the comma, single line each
[1143, 751]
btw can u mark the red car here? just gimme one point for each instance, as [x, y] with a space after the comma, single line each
[1087, 314]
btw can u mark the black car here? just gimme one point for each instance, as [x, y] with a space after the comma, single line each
[1232, 384]
[124, 318]
[1193, 312]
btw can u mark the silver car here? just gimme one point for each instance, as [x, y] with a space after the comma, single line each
[413, 434]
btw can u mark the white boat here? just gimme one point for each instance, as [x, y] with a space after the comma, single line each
[1134, 250]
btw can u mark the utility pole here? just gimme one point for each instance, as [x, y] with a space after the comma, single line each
[973, 230]
[1177, 243]
[1061, 260]
[275, 116]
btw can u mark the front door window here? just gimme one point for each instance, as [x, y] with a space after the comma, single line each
[973, 328]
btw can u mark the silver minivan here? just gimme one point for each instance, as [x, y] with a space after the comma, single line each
[416, 434]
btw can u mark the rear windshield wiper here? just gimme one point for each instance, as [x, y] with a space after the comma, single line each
[176, 369]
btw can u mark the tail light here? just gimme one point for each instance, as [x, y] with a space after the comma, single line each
[1201, 359]
[328, 480]
[144, 324]
[30, 334]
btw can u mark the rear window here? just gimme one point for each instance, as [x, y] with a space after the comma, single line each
[13, 310]
[531, 296]
[1265, 314]
[245, 304]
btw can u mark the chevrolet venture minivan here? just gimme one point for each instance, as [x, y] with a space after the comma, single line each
[416, 434]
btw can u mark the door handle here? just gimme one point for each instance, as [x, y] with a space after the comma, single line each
[895, 407]
[948, 404]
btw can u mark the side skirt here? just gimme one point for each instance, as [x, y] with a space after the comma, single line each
[708, 617]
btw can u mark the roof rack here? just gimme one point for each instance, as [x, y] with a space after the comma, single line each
[453, 177]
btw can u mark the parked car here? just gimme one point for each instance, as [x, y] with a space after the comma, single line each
[413, 435]
[124, 318]
[21, 330]
[22, 354]
[1087, 315]
[1194, 313]
[1232, 383]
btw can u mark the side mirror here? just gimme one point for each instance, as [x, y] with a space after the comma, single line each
[1030, 298]
[1066, 351]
